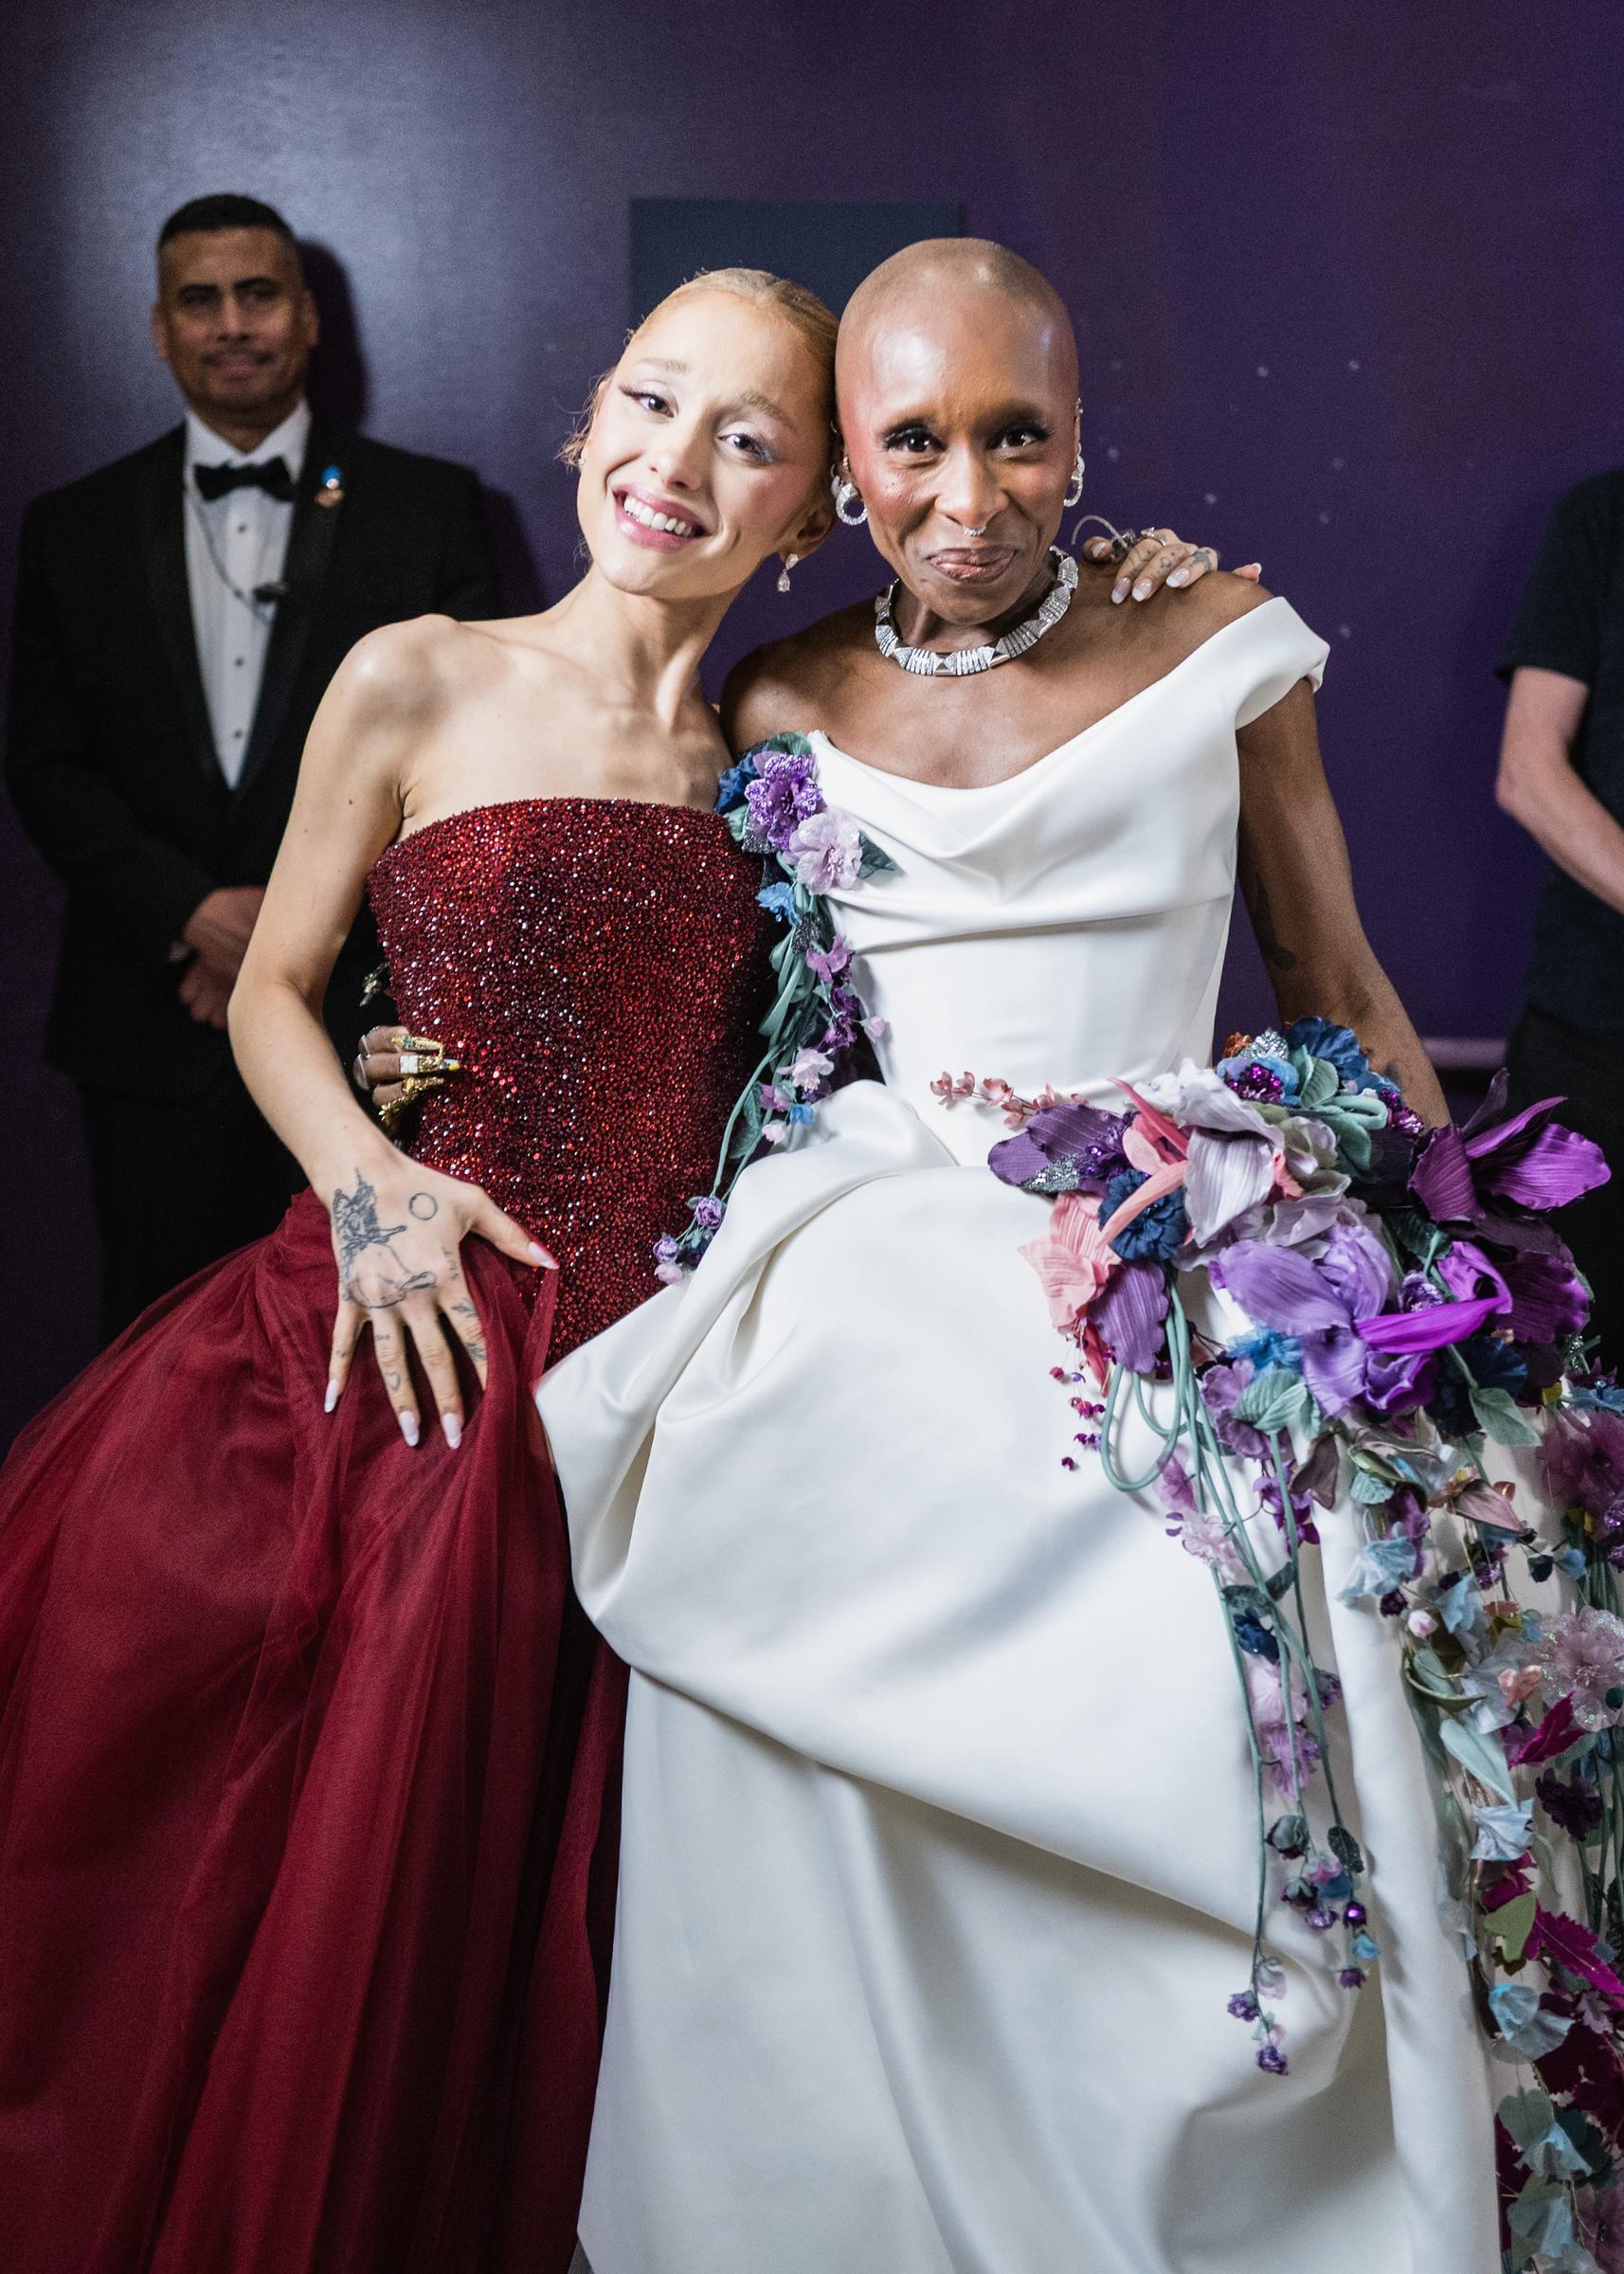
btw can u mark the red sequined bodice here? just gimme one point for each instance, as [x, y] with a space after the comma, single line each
[600, 965]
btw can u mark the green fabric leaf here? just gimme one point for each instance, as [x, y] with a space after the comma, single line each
[1344, 1848]
[1272, 1403]
[1513, 1923]
[1499, 1418]
[1320, 1082]
[1480, 1755]
[1371, 1489]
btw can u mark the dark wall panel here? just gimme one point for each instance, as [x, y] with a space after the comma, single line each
[1347, 280]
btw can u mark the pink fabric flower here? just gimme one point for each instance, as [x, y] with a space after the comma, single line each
[1582, 1657]
[1072, 1259]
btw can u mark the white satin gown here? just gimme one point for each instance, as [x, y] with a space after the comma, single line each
[939, 1858]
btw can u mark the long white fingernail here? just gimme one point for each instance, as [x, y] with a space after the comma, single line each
[1180, 576]
[409, 1428]
[1119, 592]
[539, 1254]
[332, 1398]
[452, 1428]
[1142, 589]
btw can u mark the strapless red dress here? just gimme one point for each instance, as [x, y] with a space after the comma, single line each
[307, 1757]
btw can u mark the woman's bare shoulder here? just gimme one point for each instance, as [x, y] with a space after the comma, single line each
[785, 687]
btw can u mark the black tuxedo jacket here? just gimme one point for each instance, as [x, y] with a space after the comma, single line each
[110, 760]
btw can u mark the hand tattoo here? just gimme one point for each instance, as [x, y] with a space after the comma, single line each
[379, 1281]
[423, 1206]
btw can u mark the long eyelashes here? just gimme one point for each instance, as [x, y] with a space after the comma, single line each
[651, 400]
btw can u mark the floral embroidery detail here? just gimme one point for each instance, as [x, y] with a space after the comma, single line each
[772, 802]
[1407, 1305]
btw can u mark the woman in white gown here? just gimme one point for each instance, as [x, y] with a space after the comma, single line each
[938, 1864]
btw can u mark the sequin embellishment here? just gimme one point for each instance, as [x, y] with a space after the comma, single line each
[600, 966]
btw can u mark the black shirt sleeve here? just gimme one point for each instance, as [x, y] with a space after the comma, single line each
[1559, 623]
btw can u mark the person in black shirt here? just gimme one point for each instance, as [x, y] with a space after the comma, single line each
[1561, 776]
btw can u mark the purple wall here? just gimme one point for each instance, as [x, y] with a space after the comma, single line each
[1347, 283]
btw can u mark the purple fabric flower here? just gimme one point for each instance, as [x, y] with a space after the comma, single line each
[828, 850]
[1569, 1802]
[784, 794]
[1532, 1160]
[708, 1212]
[1082, 1139]
[828, 962]
[1584, 1459]
[1335, 1306]
[1222, 1386]
[1128, 1315]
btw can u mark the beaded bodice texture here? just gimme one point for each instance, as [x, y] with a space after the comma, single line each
[600, 966]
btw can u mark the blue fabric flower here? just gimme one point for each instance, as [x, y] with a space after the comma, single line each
[1339, 1044]
[1158, 1234]
[734, 781]
[778, 900]
[1268, 1348]
[1494, 1365]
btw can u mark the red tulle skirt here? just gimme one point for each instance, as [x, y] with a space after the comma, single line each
[307, 1771]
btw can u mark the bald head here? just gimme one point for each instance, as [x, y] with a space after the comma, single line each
[954, 283]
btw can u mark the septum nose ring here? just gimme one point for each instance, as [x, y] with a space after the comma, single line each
[979, 532]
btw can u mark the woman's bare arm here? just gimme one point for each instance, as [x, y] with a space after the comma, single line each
[397, 1227]
[1298, 889]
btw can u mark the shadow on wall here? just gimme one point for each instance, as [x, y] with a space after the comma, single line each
[341, 394]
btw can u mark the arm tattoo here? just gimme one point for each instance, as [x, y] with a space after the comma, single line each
[1274, 951]
[370, 1272]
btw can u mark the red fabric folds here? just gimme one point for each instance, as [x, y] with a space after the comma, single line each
[307, 1764]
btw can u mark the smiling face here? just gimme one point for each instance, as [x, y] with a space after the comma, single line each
[708, 449]
[958, 409]
[235, 323]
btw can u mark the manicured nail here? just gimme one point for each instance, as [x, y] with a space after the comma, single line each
[452, 1428]
[409, 1428]
[1119, 591]
[1180, 576]
[539, 1254]
[1142, 589]
[1253, 568]
[332, 1398]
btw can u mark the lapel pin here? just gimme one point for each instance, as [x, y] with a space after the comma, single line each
[330, 490]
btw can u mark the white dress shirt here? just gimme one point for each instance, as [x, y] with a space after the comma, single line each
[240, 540]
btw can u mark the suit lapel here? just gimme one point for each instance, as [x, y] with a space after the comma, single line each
[310, 548]
[162, 510]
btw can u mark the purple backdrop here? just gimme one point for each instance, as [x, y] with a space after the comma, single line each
[1347, 282]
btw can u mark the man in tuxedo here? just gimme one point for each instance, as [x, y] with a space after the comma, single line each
[179, 615]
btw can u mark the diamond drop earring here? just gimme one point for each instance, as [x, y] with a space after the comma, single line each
[1075, 491]
[790, 560]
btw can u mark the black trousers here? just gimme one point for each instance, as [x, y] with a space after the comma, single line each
[177, 1187]
[1549, 1059]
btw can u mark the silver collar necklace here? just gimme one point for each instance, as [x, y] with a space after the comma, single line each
[958, 662]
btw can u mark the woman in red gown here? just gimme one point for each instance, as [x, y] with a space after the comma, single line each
[307, 1758]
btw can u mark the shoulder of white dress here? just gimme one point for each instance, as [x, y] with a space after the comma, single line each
[1273, 648]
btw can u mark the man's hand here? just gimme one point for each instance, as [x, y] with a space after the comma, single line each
[205, 993]
[218, 930]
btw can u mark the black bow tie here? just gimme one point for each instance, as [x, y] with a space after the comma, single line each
[272, 476]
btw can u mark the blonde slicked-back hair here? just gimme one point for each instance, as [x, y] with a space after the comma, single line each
[817, 325]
